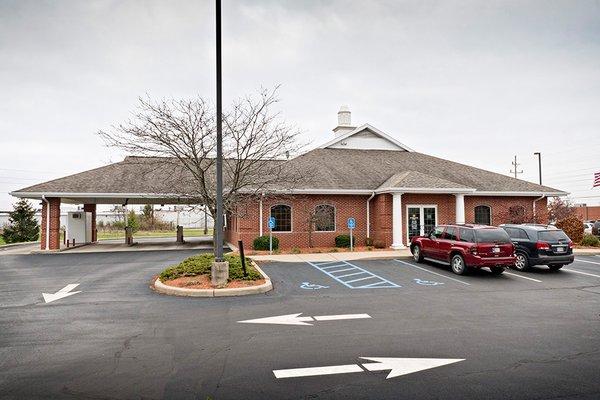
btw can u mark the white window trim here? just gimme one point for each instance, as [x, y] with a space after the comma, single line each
[291, 217]
[491, 213]
[421, 217]
[334, 218]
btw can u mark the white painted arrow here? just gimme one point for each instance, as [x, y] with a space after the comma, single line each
[405, 366]
[397, 367]
[296, 319]
[64, 292]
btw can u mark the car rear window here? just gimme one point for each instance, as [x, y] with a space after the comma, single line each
[552, 236]
[492, 236]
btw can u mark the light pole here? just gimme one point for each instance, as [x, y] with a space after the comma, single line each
[220, 268]
[539, 164]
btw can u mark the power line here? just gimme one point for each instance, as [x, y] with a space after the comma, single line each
[516, 167]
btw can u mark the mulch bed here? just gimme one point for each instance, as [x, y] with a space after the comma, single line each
[203, 282]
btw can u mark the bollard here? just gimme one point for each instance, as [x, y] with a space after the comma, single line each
[242, 257]
[180, 234]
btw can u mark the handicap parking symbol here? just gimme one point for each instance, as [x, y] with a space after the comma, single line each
[312, 286]
[426, 283]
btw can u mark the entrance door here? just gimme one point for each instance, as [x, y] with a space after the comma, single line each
[420, 220]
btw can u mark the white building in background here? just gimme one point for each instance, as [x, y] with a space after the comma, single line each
[182, 215]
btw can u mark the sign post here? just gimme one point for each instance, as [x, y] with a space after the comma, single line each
[271, 226]
[351, 226]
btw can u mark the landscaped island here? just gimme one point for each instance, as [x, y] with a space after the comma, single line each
[194, 273]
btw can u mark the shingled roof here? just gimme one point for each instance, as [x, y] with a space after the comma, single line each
[323, 170]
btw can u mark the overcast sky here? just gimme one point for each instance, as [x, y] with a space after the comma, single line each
[474, 82]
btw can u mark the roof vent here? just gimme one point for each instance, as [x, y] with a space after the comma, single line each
[344, 122]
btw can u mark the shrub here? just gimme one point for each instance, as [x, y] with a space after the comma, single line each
[369, 242]
[379, 244]
[133, 222]
[200, 265]
[262, 243]
[344, 241]
[573, 227]
[590, 240]
[296, 250]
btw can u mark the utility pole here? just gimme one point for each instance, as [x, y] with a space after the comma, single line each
[516, 168]
[539, 164]
[220, 268]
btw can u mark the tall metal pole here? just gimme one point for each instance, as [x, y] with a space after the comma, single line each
[219, 222]
[539, 164]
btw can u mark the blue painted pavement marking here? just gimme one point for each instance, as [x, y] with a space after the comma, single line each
[359, 278]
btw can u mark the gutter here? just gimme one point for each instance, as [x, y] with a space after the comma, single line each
[369, 215]
[47, 244]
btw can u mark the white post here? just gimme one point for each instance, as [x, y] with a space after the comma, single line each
[397, 242]
[460, 208]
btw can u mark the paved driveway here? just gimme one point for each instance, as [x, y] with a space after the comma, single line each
[533, 335]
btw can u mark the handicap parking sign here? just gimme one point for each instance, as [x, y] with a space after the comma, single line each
[271, 222]
[351, 223]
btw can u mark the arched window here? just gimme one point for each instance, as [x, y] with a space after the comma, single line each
[283, 218]
[324, 218]
[483, 215]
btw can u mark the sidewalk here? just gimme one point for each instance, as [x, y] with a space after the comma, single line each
[364, 255]
[341, 256]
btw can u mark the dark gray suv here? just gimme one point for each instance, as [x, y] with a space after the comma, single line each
[540, 245]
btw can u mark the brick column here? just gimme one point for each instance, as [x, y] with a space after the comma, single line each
[54, 242]
[92, 208]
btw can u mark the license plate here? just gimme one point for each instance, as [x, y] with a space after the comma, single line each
[495, 250]
[560, 249]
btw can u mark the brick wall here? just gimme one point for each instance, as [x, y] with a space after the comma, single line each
[588, 212]
[54, 243]
[244, 224]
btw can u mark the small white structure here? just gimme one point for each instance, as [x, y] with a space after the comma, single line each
[79, 227]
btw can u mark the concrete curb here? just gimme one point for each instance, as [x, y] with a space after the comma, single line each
[176, 291]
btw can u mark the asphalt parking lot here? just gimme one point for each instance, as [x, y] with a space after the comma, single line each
[529, 335]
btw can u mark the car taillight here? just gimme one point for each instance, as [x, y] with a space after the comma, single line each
[542, 246]
[473, 250]
[570, 244]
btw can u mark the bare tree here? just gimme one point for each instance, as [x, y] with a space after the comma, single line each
[180, 136]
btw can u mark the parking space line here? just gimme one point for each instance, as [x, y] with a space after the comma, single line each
[521, 276]
[341, 270]
[327, 262]
[352, 274]
[585, 261]
[360, 279]
[582, 273]
[432, 272]
[382, 283]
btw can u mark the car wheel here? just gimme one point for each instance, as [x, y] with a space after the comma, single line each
[555, 267]
[458, 265]
[497, 270]
[522, 262]
[417, 255]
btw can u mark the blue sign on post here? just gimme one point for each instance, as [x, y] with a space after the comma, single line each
[351, 223]
[271, 227]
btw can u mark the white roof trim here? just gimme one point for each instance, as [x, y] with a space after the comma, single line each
[534, 194]
[100, 195]
[425, 190]
[362, 128]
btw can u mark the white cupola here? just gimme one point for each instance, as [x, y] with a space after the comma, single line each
[344, 122]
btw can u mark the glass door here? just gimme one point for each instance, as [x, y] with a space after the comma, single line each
[429, 219]
[414, 222]
[420, 220]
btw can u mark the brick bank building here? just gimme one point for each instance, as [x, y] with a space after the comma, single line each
[393, 192]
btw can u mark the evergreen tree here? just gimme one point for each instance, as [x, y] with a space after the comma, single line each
[133, 222]
[22, 225]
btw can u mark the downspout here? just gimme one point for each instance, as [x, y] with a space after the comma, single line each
[534, 209]
[46, 245]
[260, 215]
[369, 215]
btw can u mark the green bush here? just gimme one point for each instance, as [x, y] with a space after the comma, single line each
[262, 243]
[590, 240]
[200, 265]
[344, 241]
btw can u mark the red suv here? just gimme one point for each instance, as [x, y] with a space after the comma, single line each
[466, 246]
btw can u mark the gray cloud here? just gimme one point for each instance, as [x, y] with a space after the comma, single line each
[475, 82]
